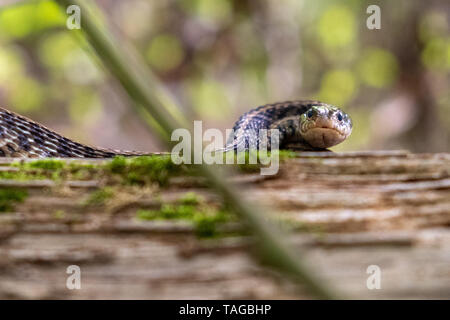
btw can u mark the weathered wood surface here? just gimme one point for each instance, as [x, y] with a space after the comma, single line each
[347, 211]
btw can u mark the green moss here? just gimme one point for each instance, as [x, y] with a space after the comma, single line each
[117, 165]
[99, 197]
[21, 175]
[206, 223]
[36, 170]
[59, 169]
[286, 154]
[131, 171]
[47, 164]
[75, 166]
[205, 218]
[123, 170]
[144, 169]
[249, 168]
[11, 196]
[82, 171]
[168, 212]
[191, 198]
[59, 214]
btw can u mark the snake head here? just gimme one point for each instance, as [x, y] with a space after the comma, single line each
[324, 126]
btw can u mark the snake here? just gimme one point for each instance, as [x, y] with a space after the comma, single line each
[306, 125]
[301, 124]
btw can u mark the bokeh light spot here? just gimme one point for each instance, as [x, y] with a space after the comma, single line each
[11, 65]
[436, 54]
[210, 99]
[337, 27]
[165, 52]
[337, 87]
[33, 17]
[377, 67]
[85, 108]
[26, 94]
[214, 12]
[54, 49]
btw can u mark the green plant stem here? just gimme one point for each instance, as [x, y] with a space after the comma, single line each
[157, 102]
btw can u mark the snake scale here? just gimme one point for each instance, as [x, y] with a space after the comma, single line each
[302, 124]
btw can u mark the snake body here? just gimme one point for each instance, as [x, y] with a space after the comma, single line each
[22, 137]
[303, 124]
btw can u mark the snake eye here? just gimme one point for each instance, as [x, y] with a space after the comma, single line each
[310, 113]
[339, 116]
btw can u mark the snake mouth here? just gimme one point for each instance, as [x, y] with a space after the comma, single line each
[323, 137]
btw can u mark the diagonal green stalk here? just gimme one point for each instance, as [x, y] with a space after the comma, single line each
[149, 94]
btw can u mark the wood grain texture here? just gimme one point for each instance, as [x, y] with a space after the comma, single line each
[347, 211]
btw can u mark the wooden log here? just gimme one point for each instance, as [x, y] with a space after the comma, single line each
[345, 211]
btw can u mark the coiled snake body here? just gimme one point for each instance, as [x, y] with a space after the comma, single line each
[307, 125]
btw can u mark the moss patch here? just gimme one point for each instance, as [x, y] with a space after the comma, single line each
[59, 214]
[47, 164]
[144, 169]
[191, 198]
[35, 170]
[120, 170]
[191, 208]
[130, 171]
[99, 197]
[21, 175]
[9, 197]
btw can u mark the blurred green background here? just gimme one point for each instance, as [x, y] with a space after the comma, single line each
[221, 58]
